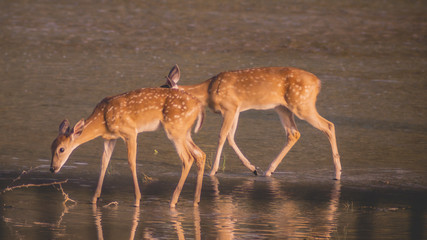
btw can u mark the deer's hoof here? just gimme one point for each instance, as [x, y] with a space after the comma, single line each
[337, 176]
[258, 171]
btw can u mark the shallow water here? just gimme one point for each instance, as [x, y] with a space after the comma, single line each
[59, 58]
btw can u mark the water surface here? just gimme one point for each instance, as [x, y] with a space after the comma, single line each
[59, 58]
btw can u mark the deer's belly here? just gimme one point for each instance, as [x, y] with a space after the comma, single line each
[259, 106]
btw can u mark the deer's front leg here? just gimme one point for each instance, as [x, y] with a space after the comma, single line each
[106, 156]
[236, 149]
[225, 130]
[131, 144]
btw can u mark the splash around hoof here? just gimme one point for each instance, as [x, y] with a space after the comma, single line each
[94, 200]
[337, 176]
[258, 171]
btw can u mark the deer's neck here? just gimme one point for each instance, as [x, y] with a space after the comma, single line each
[200, 91]
[94, 127]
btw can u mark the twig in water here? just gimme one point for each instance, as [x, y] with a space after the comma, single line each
[111, 203]
[209, 161]
[66, 197]
[223, 164]
[147, 178]
[64, 203]
[23, 173]
[33, 185]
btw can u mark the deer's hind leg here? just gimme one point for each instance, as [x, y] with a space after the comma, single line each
[292, 134]
[313, 117]
[187, 161]
[177, 132]
[200, 158]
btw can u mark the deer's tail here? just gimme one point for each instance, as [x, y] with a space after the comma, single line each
[200, 119]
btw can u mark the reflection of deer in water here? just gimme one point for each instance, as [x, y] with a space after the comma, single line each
[97, 213]
[289, 91]
[177, 219]
[225, 210]
[126, 115]
[285, 215]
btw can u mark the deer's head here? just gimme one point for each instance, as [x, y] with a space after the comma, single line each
[63, 145]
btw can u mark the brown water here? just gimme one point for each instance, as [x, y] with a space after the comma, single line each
[59, 58]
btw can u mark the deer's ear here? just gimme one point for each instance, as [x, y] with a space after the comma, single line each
[64, 127]
[78, 128]
[173, 77]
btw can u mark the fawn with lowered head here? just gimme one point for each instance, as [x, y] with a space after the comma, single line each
[289, 91]
[124, 116]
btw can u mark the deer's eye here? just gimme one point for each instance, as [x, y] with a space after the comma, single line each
[61, 150]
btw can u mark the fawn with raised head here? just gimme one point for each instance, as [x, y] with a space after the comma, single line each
[124, 116]
[289, 91]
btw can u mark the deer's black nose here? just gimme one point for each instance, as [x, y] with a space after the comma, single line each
[52, 170]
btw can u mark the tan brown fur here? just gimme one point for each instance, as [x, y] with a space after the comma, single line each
[124, 116]
[290, 91]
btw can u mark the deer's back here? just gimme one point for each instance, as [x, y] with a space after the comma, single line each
[261, 88]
